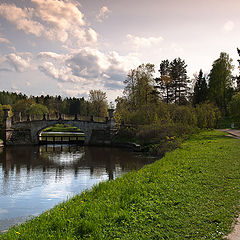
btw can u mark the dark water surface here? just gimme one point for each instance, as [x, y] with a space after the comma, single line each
[34, 179]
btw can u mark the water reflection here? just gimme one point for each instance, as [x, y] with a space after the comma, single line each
[33, 179]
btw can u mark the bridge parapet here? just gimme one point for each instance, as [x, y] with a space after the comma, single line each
[27, 131]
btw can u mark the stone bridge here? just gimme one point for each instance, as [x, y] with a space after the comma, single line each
[27, 132]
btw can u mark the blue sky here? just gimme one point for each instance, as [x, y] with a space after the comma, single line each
[69, 47]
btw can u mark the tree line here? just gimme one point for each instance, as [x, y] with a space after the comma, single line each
[218, 88]
[36, 106]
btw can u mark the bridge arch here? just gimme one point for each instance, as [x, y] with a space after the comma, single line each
[59, 133]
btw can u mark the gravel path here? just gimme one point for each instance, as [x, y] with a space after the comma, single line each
[235, 234]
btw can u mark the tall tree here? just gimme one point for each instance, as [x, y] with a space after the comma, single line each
[139, 86]
[173, 81]
[200, 89]
[98, 103]
[165, 82]
[238, 78]
[180, 80]
[221, 81]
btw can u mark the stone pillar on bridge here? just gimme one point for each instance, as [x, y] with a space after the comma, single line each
[111, 121]
[7, 124]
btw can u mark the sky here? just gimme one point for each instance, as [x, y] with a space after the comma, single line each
[69, 47]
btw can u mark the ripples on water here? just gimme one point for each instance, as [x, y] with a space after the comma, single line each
[34, 179]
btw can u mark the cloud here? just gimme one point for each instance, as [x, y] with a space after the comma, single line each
[103, 14]
[21, 18]
[87, 68]
[4, 40]
[228, 26]
[56, 20]
[62, 74]
[50, 55]
[17, 62]
[141, 42]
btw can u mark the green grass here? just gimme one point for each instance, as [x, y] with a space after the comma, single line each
[191, 193]
[62, 128]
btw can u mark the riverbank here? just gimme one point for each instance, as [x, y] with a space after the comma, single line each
[191, 193]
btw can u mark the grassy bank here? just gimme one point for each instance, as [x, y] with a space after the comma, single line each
[191, 193]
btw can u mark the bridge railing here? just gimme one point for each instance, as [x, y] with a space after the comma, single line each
[24, 118]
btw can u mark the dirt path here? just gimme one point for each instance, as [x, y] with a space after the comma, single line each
[235, 234]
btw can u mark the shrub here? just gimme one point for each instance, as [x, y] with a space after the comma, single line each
[207, 115]
[234, 107]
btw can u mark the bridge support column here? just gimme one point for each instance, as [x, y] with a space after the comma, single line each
[7, 124]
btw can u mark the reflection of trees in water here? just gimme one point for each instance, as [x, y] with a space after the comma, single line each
[58, 160]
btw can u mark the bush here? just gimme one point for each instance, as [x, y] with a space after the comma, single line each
[234, 108]
[207, 115]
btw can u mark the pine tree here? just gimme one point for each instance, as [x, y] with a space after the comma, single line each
[180, 80]
[164, 82]
[173, 81]
[200, 89]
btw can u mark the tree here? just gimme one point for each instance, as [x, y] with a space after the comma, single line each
[235, 107]
[139, 88]
[238, 78]
[221, 81]
[200, 89]
[98, 103]
[164, 82]
[37, 110]
[180, 81]
[173, 81]
[23, 105]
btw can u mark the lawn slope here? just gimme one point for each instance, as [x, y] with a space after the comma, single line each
[191, 193]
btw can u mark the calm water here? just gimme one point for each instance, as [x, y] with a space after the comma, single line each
[34, 179]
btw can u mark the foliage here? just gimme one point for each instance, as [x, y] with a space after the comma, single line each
[234, 106]
[2, 107]
[23, 105]
[10, 98]
[200, 89]
[221, 82]
[164, 83]
[98, 103]
[139, 86]
[173, 81]
[191, 193]
[37, 110]
[207, 115]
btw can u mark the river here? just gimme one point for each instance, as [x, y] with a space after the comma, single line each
[35, 178]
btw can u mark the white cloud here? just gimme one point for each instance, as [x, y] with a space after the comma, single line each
[87, 68]
[4, 40]
[228, 26]
[50, 55]
[103, 14]
[60, 14]
[21, 18]
[140, 42]
[17, 62]
[56, 20]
